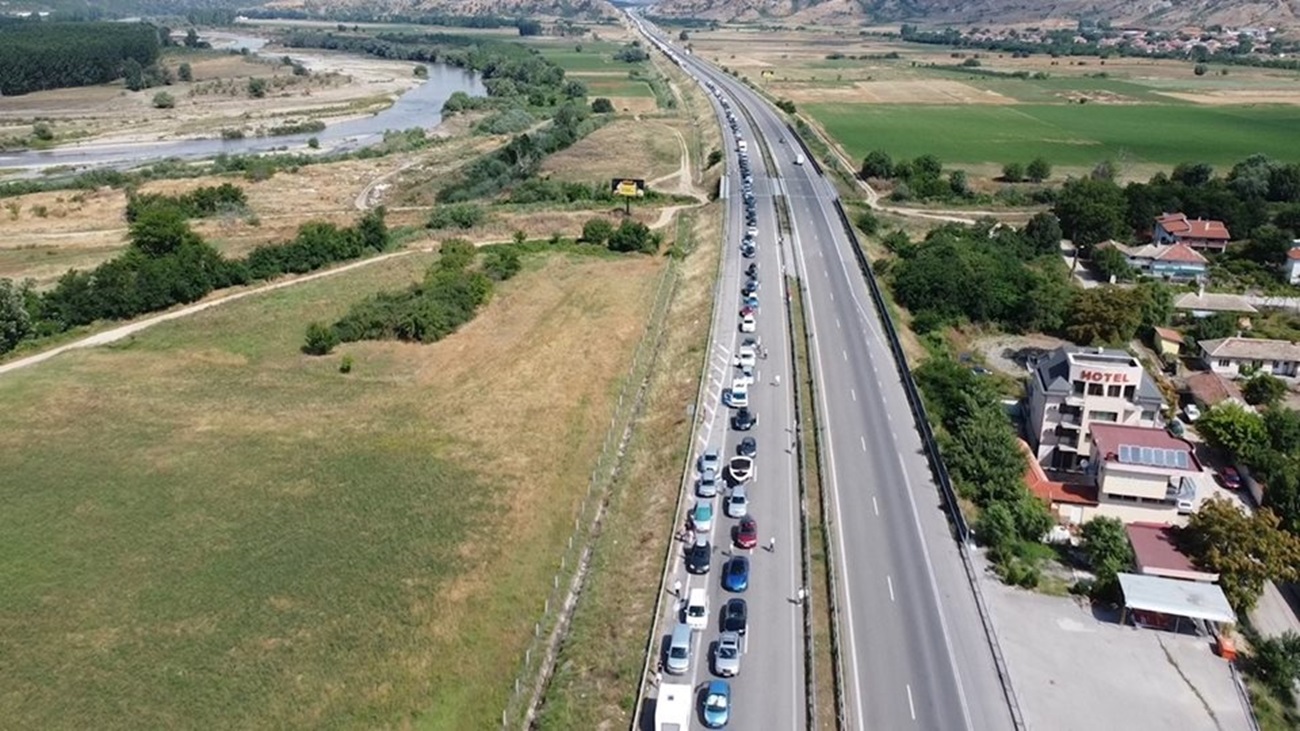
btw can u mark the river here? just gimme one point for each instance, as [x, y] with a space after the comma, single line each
[421, 106]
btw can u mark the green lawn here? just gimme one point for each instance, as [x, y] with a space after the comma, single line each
[592, 57]
[1065, 134]
[203, 528]
[614, 86]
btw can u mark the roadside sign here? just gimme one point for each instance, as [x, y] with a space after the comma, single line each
[628, 187]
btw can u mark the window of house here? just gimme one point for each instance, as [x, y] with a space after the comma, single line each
[1103, 416]
[1113, 391]
[1148, 416]
[1130, 392]
[1096, 389]
[1225, 363]
[1078, 388]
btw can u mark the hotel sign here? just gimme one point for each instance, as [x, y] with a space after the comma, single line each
[1104, 377]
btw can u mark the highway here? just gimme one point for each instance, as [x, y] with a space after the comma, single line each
[915, 655]
[769, 690]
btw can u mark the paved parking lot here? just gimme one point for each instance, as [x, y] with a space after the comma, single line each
[1075, 672]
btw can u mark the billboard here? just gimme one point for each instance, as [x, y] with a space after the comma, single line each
[628, 187]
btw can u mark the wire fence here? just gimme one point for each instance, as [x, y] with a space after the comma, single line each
[538, 659]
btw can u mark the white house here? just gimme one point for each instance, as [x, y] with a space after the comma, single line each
[1237, 356]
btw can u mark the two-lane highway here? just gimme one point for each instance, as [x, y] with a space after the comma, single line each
[915, 653]
[769, 690]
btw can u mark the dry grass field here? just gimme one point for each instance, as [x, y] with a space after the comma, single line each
[205, 528]
[649, 148]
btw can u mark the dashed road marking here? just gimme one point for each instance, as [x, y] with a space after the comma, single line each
[890, 580]
[874, 506]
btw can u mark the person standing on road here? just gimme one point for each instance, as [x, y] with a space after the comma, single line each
[771, 545]
[677, 588]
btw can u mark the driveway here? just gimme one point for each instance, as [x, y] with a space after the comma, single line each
[1081, 273]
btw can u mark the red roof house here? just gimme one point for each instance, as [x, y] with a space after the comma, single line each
[1156, 553]
[1175, 228]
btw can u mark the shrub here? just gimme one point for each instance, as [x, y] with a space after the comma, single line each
[321, 339]
[185, 73]
[597, 231]
[257, 88]
[313, 143]
[867, 222]
[1013, 172]
[501, 263]
[456, 215]
[163, 100]
[601, 105]
[345, 365]
[715, 157]
[43, 131]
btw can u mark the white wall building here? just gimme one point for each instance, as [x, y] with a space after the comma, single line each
[1233, 357]
[1072, 388]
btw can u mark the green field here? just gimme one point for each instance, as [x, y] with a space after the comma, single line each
[203, 528]
[1065, 134]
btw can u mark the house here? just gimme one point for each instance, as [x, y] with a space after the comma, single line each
[1174, 228]
[1203, 304]
[1291, 268]
[1175, 262]
[1156, 554]
[1238, 356]
[1073, 388]
[1142, 473]
[1069, 502]
[1168, 342]
[1208, 388]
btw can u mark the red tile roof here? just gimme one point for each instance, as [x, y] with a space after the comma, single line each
[1210, 388]
[1109, 437]
[1293, 252]
[1169, 335]
[1180, 252]
[1050, 491]
[1154, 548]
[1177, 224]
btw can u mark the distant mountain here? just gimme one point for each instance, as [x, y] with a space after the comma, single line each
[1146, 13]
[590, 9]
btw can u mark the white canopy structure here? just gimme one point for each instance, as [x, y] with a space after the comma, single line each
[1198, 601]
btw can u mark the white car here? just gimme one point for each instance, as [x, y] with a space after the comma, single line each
[741, 469]
[1193, 412]
[752, 231]
[746, 356]
[697, 609]
[746, 376]
[739, 394]
[748, 324]
[738, 502]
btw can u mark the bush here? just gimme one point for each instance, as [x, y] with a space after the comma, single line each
[1013, 172]
[163, 100]
[867, 222]
[601, 105]
[715, 157]
[634, 236]
[185, 73]
[257, 88]
[501, 263]
[597, 231]
[506, 122]
[313, 143]
[43, 131]
[321, 339]
[345, 365]
[456, 215]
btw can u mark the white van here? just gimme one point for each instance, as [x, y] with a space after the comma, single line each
[740, 393]
[798, 159]
[742, 145]
[697, 609]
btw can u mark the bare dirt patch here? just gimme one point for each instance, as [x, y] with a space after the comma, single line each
[1224, 97]
[1006, 353]
[918, 91]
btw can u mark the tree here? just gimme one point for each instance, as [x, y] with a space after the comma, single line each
[185, 72]
[1200, 69]
[1218, 325]
[683, 36]
[597, 231]
[1276, 662]
[1111, 262]
[320, 340]
[163, 100]
[1105, 170]
[1103, 315]
[1043, 233]
[633, 236]
[528, 27]
[1106, 544]
[959, 183]
[1091, 210]
[160, 230]
[1264, 389]
[1230, 427]
[601, 105]
[501, 263]
[43, 131]
[133, 74]
[715, 157]
[877, 164]
[1245, 550]
[1013, 172]
[192, 38]
[867, 222]
[15, 320]
[1192, 174]
[1268, 245]
[257, 87]
[1038, 170]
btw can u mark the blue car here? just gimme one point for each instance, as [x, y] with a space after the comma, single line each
[751, 301]
[717, 704]
[736, 577]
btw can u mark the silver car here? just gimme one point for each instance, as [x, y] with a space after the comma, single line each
[708, 484]
[738, 502]
[726, 656]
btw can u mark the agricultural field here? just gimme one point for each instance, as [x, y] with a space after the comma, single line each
[593, 63]
[912, 99]
[205, 528]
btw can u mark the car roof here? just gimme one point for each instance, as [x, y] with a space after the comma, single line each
[699, 595]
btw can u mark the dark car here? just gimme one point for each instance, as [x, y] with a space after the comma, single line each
[698, 557]
[750, 287]
[743, 420]
[752, 270]
[748, 252]
[746, 534]
[1231, 478]
[735, 616]
[736, 576]
[748, 447]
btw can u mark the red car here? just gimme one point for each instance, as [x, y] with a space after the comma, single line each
[746, 310]
[1231, 478]
[747, 533]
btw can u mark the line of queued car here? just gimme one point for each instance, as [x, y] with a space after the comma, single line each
[727, 482]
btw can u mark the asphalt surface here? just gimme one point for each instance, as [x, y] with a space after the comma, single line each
[915, 652]
[769, 690]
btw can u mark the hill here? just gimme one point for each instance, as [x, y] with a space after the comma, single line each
[590, 9]
[1145, 13]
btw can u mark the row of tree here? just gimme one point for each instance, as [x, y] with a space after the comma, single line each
[38, 55]
[166, 263]
[449, 296]
[922, 178]
[204, 201]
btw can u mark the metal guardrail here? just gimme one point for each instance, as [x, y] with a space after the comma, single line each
[940, 470]
[1243, 695]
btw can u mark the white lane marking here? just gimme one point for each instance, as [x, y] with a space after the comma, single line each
[832, 294]
[845, 353]
[837, 323]
[890, 580]
[874, 506]
[864, 443]
[910, 704]
[854, 394]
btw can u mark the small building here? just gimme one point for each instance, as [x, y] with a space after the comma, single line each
[1203, 304]
[1069, 502]
[1072, 388]
[1292, 266]
[1176, 228]
[1168, 342]
[1144, 473]
[1174, 605]
[1156, 554]
[1237, 356]
[1208, 388]
[1175, 262]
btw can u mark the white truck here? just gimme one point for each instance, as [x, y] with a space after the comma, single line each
[742, 145]
[673, 707]
[798, 159]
